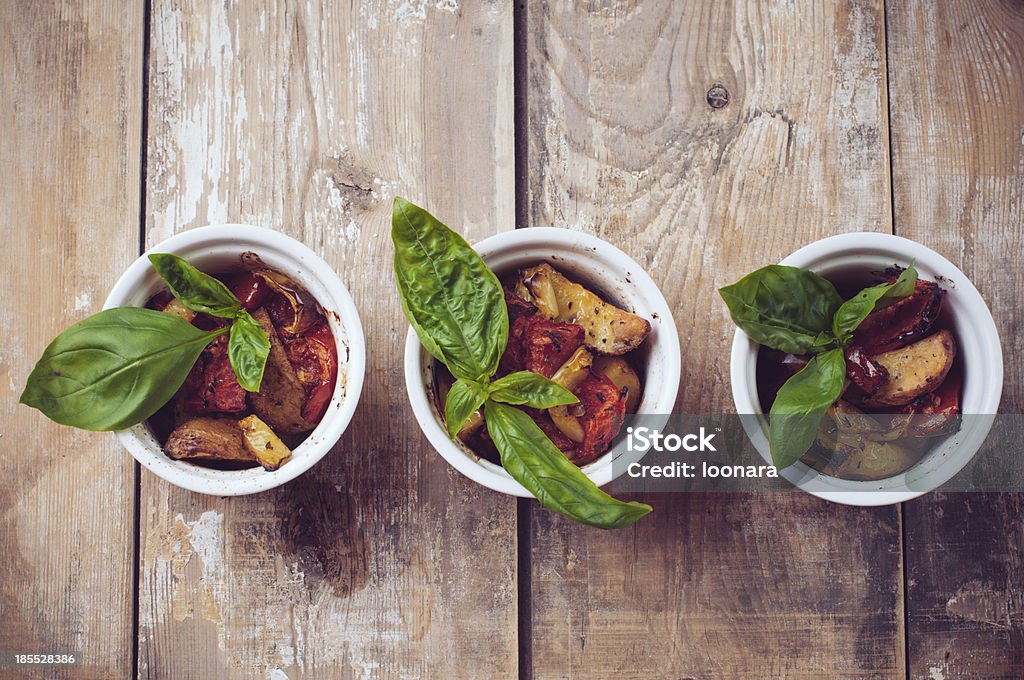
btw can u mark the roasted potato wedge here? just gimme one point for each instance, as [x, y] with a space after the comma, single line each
[261, 441]
[853, 457]
[915, 369]
[209, 440]
[622, 374]
[281, 397]
[609, 330]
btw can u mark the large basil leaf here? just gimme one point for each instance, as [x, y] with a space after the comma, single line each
[114, 369]
[532, 460]
[527, 388]
[198, 291]
[248, 349]
[782, 307]
[452, 299]
[463, 398]
[852, 312]
[800, 404]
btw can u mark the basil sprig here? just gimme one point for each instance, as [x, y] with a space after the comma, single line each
[116, 368]
[797, 311]
[248, 344]
[457, 307]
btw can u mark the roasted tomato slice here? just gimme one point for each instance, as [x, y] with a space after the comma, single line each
[314, 357]
[937, 413]
[902, 323]
[250, 289]
[211, 386]
[605, 411]
[866, 373]
[547, 344]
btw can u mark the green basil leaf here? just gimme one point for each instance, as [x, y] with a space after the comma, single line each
[852, 312]
[463, 398]
[824, 341]
[782, 307]
[801, 403]
[527, 388]
[198, 291]
[451, 298]
[114, 369]
[248, 349]
[532, 460]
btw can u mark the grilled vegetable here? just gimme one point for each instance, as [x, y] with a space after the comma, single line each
[609, 330]
[604, 409]
[625, 378]
[866, 373]
[209, 440]
[548, 344]
[250, 289]
[211, 386]
[315, 360]
[851, 456]
[902, 323]
[915, 370]
[296, 311]
[937, 413]
[282, 396]
[573, 372]
[261, 441]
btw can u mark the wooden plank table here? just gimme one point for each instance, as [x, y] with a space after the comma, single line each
[125, 123]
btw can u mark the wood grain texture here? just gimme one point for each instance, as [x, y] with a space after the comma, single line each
[623, 143]
[957, 84]
[381, 562]
[70, 123]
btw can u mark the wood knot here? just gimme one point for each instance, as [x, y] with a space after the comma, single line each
[718, 97]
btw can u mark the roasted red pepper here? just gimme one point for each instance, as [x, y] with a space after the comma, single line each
[903, 322]
[547, 344]
[866, 373]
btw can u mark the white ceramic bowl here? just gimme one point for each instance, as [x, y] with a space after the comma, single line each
[595, 264]
[219, 247]
[978, 345]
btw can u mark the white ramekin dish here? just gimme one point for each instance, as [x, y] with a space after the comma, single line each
[597, 265]
[220, 247]
[978, 345]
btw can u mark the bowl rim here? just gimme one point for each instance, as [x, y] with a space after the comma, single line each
[744, 357]
[346, 328]
[418, 362]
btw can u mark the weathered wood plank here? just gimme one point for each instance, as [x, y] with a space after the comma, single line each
[957, 84]
[623, 143]
[70, 121]
[380, 562]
